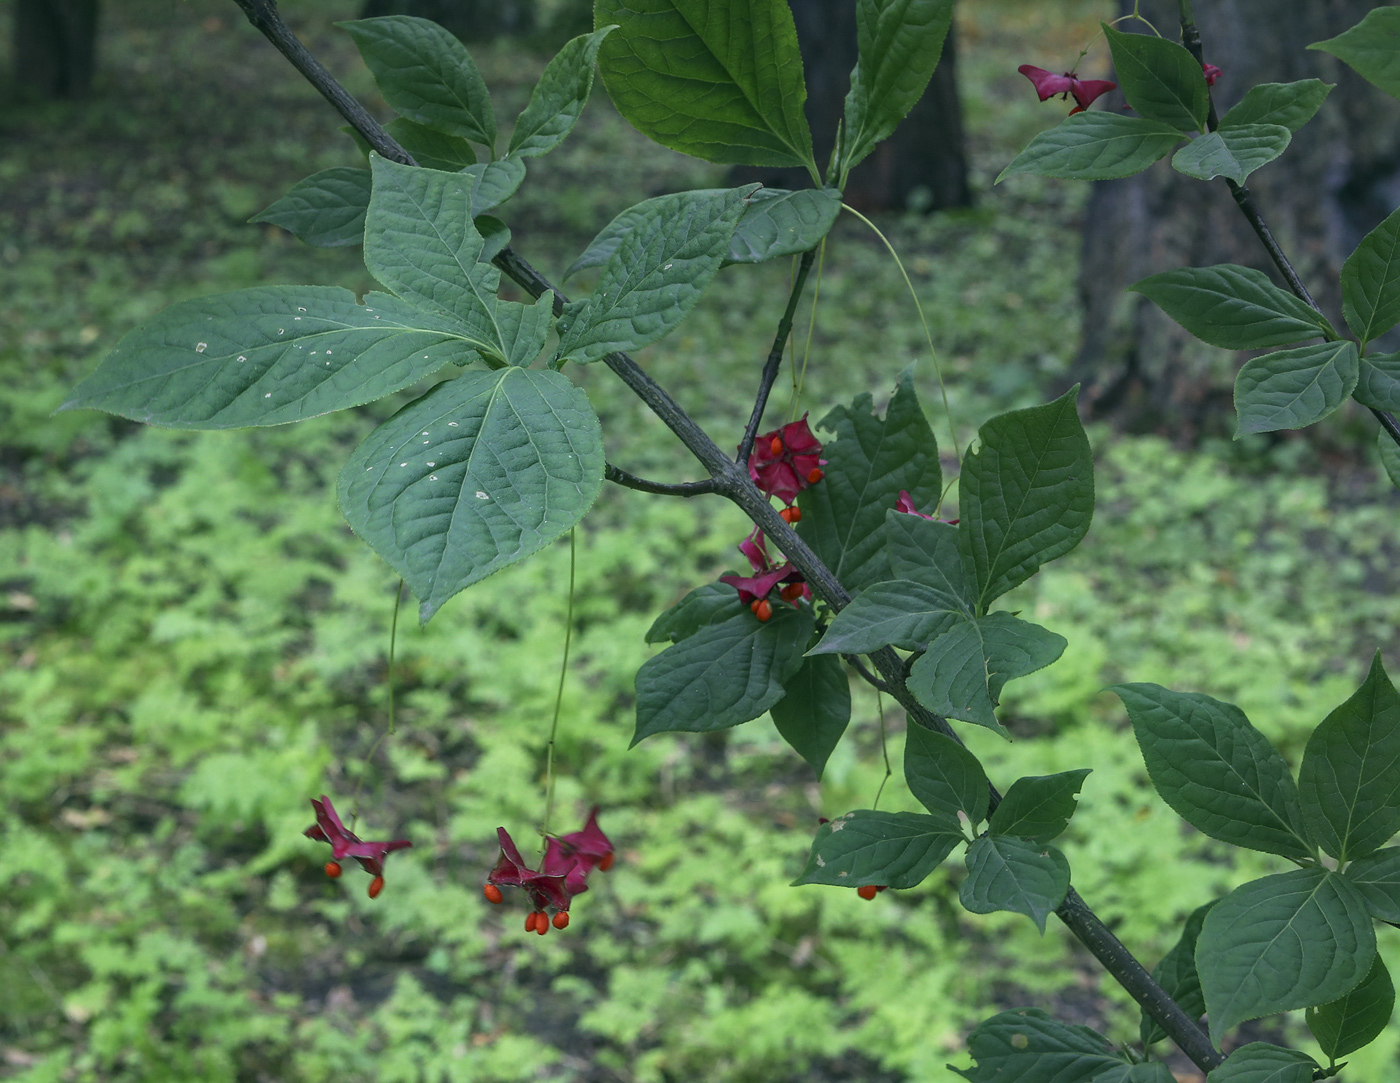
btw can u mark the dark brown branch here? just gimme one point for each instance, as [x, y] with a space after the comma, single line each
[775, 356]
[621, 477]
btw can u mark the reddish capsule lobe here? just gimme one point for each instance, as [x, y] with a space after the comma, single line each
[561, 919]
[763, 609]
[530, 921]
[492, 893]
[606, 863]
[814, 475]
[776, 447]
[791, 515]
[333, 869]
[376, 886]
[541, 924]
[869, 891]
[791, 592]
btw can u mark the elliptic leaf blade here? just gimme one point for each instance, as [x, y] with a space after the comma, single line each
[1291, 389]
[1233, 307]
[1028, 1046]
[815, 710]
[1377, 877]
[1007, 873]
[781, 223]
[1289, 104]
[1232, 152]
[1343, 1026]
[1160, 79]
[1259, 1062]
[1371, 282]
[1370, 48]
[1378, 383]
[945, 776]
[327, 209]
[1039, 807]
[902, 614]
[1094, 146]
[431, 148]
[890, 849]
[559, 97]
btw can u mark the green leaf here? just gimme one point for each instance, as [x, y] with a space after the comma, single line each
[1232, 152]
[1094, 146]
[890, 849]
[431, 148]
[1371, 282]
[1259, 1062]
[722, 674]
[781, 223]
[1390, 457]
[495, 235]
[815, 710]
[327, 209]
[1357, 1019]
[1377, 877]
[868, 463]
[962, 673]
[717, 79]
[1290, 389]
[1289, 104]
[926, 551]
[1233, 307]
[1027, 1046]
[1026, 495]
[1378, 382]
[559, 97]
[655, 276]
[1007, 873]
[1350, 778]
[267, 356]
[524, 328]
[945, 776]
[492, 183]
[710, 604]
[898, 45]
[1215, 770]
[1149, 1072]
[1176, 973]
[901, 613]
[1160, 79]
[1289, 941]
[477, 474]
[1039, 807]
[427, 75]
[1371, 47]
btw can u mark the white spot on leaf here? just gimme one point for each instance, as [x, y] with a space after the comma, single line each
[201, 347]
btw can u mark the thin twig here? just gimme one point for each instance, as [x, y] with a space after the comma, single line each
[775, 356]
[853, 660]
[619, 476]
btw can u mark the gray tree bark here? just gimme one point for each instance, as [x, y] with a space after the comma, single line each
[1339, 177]
[55, 47]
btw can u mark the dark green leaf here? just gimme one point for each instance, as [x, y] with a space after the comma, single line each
[1095, 146]
[1390, 457]
[900, 613]
[495, 235]
[926, 551]
[962, 673]
[1259, 1062]
[1289, 104]
[780, 223]
[427, 75]
[1371, 47]
[710, 604]
[1007, 873]
[1026, 495]
[815, 710]
[492, 183]
[655, 276]
[1150, 1072]
[1291, 389]
[1236, 308]
[1027, 1046]
[1344, 1026]
[945, 776]
[431, 148]
[1176, 973]
[1160, 79]
[891, 849]
[722, 674]
[1217, 771]
[868, 464]
[1039, 807]
[1377, 877]
[717, 79]
[524, 328]
[1371, 282]
[559, 96]
[1289, 941]
[266, 356]
[898, 46]
[326, 209]
[1378, 382]
[1232, 152]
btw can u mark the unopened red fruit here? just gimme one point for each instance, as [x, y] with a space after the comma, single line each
[606, 863]
[376, 886]
[815, 475]
[791, 515]
[764, 609]
[542, 925]
[333, 869]
[530, 920]
[791, 592]
[776, 447]
[869, 891]
[492, 893]
[561, 919]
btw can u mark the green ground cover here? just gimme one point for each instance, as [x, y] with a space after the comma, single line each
[192, 643]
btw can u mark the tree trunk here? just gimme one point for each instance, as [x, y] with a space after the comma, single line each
[470, 20]
[921, 167]
[1334, 183]
[55, 47]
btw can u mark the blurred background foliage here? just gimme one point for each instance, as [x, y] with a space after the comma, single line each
[192, 643]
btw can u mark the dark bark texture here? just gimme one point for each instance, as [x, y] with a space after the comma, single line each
[470, 20]
[55, 47]
[1333, 184]
[922, 166]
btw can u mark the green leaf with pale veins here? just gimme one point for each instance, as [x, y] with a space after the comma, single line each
[900, 613]
[926, 551]
[1350, 778]
[898, 44]
[426, 74]
[1026, 495]
[782, 223]
[1371, 47]
[1289, 104]
[1371, 282]
[717, 79]
[1294, 940]
[1160, 79]
[890, 849]
[1232, 152]
[1028, 1046]
[868, 463]
[1378, 382]
[1291, 389]
[962, 673]
[1233, 307]
[1260, 1062]
[431, 148]
[492, 183]
[1039, 807]
[477, 474]
[267, 356]
[1094, 146]
[1377, 877]
[655, 276]
[815, 710]
[1217, 772]
[1153, 1071]
[1390, 457]
[524, 328]
[1345, 1025]
[1007, 873]
[710, 604]
[722, 674]
[559, 97]
[327, 209]
[945, 776]
[1176, 973]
